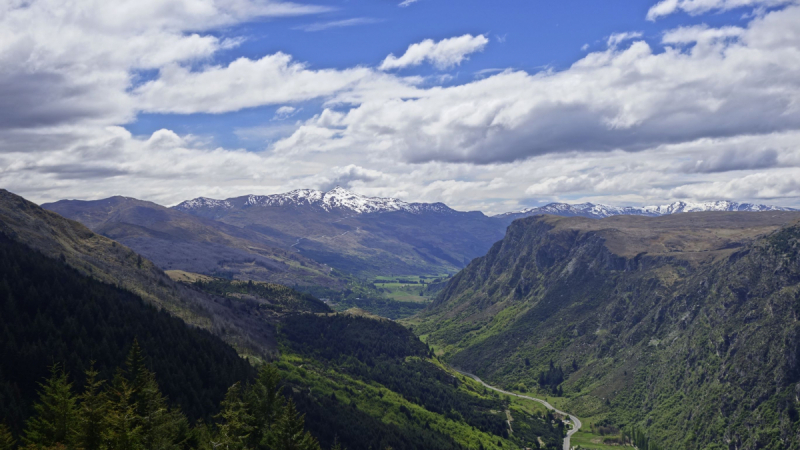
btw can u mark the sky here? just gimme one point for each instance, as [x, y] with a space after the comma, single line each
[484, 105]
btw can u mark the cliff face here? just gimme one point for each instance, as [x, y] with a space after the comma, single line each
[685, 326]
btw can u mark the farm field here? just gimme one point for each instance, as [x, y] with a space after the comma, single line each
[410, 288]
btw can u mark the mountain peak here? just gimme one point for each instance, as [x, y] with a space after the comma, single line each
[340, 190]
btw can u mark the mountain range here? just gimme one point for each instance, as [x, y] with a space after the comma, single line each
[294, 238]
[597, 211]
[314, 238]
[337, 199]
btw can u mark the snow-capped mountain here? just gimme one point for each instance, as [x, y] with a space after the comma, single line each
[594, 211]
[337, 199]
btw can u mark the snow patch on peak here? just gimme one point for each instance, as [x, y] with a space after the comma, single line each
[202, 203]
[601, 211]
[337, 199]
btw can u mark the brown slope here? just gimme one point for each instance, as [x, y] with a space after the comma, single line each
[175, 240]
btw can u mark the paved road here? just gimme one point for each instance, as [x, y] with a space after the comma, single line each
[576, 422]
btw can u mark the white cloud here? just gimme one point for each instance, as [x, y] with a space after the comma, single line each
[284, 112]
[695, 7]
[321, 26]
[708, 112]
[443, 54]
[618, 38]
[245, 83]
[629, 99]
[71, 62]
[406, 3]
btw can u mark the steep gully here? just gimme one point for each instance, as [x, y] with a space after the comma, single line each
[575, 421]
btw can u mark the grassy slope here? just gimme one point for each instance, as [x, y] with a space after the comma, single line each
[383, 370]
[685, 327]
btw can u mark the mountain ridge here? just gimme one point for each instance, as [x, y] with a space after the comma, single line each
[599, 211]
[337, 199]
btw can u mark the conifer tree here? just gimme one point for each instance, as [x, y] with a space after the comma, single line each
[123, 431]
[290, 433]
[235, 426]
[6, 439]
[265, 404]
[135, 369]
[56, 413]
[93, 411]
[160, 425]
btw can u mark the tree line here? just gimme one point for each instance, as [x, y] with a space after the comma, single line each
[129, 412]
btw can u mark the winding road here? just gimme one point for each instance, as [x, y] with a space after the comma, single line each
[575, 421]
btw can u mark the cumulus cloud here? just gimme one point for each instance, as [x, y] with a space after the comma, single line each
[780, 184]
[443, 54]
[73, 62]
[695, 7]
[244, 83]
[630, 99]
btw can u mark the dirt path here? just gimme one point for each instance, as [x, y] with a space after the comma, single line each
[575, 421]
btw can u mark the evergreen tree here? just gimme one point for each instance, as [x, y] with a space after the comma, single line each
[123, 431]
[290, 433]
[56, 413]
[93, 411]
[6, 439]
[265, 404]
[235, 426]
[135, 369]
[161, 427]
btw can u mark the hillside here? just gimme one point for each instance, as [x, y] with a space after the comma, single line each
[175, 240]
[684, 326]
[372, 385]
[54, 314]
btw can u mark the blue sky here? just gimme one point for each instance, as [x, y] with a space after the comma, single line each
[491, 106]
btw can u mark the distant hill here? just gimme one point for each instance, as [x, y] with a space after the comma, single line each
[683, 325]
[357, 234]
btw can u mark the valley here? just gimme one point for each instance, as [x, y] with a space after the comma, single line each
[642, 327]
